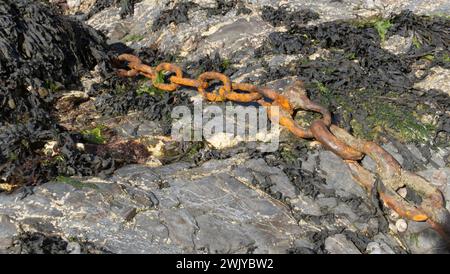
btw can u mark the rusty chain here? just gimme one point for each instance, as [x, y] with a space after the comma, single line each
[389, 176]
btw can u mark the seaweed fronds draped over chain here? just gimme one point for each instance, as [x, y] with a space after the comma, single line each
[386, 181]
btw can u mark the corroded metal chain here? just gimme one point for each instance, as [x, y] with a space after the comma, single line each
[389, 176]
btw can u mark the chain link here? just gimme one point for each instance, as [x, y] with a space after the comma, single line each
[389, 176]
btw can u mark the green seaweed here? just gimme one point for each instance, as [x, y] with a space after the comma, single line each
[133, 38]
[415, 41]
[288, 155]
[327, 96]
[384, 115]
[144, 87]
[75, 183]
[225, 64]
[94, 135]
[429, 57]
[382, 27]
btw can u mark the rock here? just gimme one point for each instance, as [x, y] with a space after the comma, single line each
[306, 205]
[70, 99]
[197, 202]
[421, 239]
[228, 202]
[438, 79]
[379, 248]
[8, 230]
[338, 176]
[73, 248]
[397, 44]
[339, 244]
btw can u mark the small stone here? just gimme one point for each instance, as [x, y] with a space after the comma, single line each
[80, 146]
[129, 213]
[402, 192]
[42, 92]
[11, 104]
[401, 225]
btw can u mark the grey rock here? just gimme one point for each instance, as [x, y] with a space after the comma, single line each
[327, 202]
[306, 205]
[197, 202]
[422, 239]
[378, 248]
[339, 244]
[8, 230]
[73, 248]
[438, 79]
[397, 44]
[338, 176]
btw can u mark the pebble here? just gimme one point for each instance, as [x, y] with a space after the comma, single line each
[402, 192]
[11, 104]
[401, 225]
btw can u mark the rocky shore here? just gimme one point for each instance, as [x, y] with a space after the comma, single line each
[87, 164]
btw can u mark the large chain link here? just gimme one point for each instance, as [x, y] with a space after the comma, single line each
[389, 176]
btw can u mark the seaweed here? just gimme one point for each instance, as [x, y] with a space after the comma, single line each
[41, 50]
[369, 90]
[178, 15]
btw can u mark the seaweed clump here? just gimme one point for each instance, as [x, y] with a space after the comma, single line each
[178, 15]
[283, 17]
[369, 89]
[126, 7]
[40, 52]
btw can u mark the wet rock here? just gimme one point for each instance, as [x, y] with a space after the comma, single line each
[339, 244]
